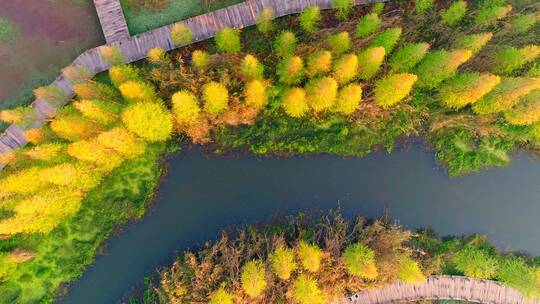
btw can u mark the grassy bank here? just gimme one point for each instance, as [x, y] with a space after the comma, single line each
[144, 15]
[62, 255]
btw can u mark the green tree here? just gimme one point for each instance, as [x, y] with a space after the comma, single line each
[406, 58]
[285, 44]
[228, 40]
[149, 120]
[339, 42]
[253, 278]
[291, 70]
[294, 102]
[505, 95]
[52, 94]
[514, 272]
[476, 263]
[265, 20]
[95, 90]
[367, 25]
[467, 88]
[282, 262]
[310, 18]
[200, 59]
[489, 14]
[112, 55]
[346, 68]
[370, 62]
[181, 34]
[387, 39]
[123, 73]
[306, 291]
[422, 6]
[524, 22]
[221, 296]
[394, 88]
[511, 59]
[473, 42]
[349, 99]
[251, 68]
[342, 8]
[440, 65]
[310, 256]
[319, 63]
[360, 261]
[526, 112]
[215, 97]
[454, 13]
[321, 93]
[409, 272]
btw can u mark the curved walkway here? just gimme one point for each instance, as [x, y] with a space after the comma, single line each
[136, 47]
[442, 288]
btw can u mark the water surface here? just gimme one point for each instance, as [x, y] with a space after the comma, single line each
[201, 195]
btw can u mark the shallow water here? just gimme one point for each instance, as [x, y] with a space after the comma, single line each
[49, 35]
[200, 195]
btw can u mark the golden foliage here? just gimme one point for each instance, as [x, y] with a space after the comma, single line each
[305, 290]
[34, 135]
[255, 94]
[409, 272]
[123, 73]
[360, 261]
[200, 59]
[221, 296]
[71, 126]
[291, 70]
[45, 152]
[133, 91]
[310, 256]
[370, 61]
[251, 68]
[526, 111]
[294, 102]
[392, 89]
[216, 97]
[156, 55]
[345, 68]
[186, 107]
[42, 212]
[467, 88]
[319, 63]
[91, 151]
[112, 55]
[122, 141]
[505, 95]
[25, 181]
[322, 93]
[97, 110]
[348, 99]
[474, 42]
[149, 120]
[76, 176]
[253, 278]
[7, 157]
[282, 262]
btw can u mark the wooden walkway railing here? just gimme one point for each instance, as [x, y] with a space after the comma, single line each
[442, 288]
[136, 47]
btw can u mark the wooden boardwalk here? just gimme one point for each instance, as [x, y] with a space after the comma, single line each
[111, 17]
[442, 288]
[136, 47]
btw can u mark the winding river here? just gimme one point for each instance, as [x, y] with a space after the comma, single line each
[202, 194]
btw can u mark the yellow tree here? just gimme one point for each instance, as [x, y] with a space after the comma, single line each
[467, 88]
[505, 95]
[133, 91]
[122, 141]
[348, 99]
[45, 152]
[393, 88]
[255, 94]
[76, 176]
[123, 73]
[321, 93]
[216, 98]
[310, 256]
[360, 261]
[409, 272]
[526, 112]
[345, 68]
[291, 70]
[181, 34]
[102, 112]
[319, 63]
[251, 68]
[282, 262]
[253, 278]
[200, 59]
[149, 120]
[91, 151]
[370, 61]
[23, 182]
[294, 102]
[186, 108]
[70, 125]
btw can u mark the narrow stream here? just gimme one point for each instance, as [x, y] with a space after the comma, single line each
[202, 194]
